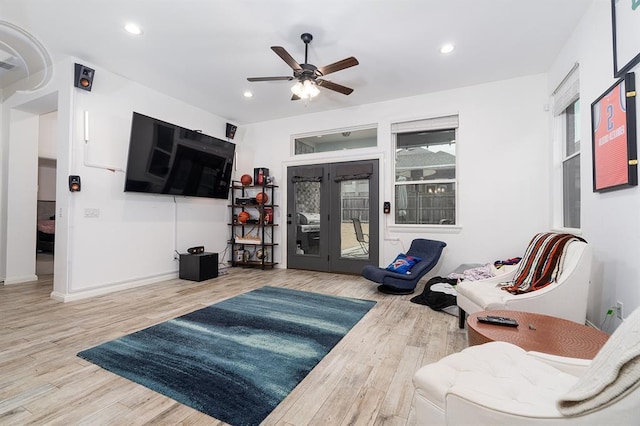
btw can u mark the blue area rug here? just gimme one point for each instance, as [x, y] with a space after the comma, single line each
[238, 359]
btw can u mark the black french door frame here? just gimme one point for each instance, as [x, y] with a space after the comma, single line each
[320, 232]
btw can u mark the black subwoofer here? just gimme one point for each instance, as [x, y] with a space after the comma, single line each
[198, 267]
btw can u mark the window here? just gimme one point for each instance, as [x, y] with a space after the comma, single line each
[571, 167]
[566, 101]
[425, 171]
[338, 141]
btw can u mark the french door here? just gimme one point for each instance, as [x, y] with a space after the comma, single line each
[332, 216]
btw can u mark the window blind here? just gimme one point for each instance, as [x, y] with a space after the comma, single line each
[353, 172]
[568, 91]
[308, 174]
[437, 123]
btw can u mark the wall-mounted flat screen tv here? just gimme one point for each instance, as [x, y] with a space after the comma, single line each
[169, 159]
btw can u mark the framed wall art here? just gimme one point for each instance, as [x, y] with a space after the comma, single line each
[625, 19]
[613, 124]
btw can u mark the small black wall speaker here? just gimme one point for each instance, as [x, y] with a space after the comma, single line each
[74, 183]
[84, 77]
[231, 130]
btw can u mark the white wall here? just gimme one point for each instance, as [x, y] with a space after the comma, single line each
[46, 180]
[132, 242]
[19, 186]
[22, 195]
[46, 135]
[47, 154]
[502, 152]
[609, 220]
[133, 239]
[4, 172]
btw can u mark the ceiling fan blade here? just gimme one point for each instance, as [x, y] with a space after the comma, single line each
[280, 51]
[337, 66]
[269, 78]
[334, 86]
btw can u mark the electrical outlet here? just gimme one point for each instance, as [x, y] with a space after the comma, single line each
[619, 311]
[91, 212]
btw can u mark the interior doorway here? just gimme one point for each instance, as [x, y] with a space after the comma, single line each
[46, 195]
[28, 123]
[332, 216]
[45, 238]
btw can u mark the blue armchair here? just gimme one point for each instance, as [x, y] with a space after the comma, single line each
[396, 283]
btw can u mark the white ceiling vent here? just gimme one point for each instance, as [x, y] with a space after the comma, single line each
[6, 65]
[25, 64]
[4, 55]
[7, 60]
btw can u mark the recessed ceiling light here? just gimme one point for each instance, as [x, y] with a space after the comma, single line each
[248, 94]
[447, 48]
[132, 28]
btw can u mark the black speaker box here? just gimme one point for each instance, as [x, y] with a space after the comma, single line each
[231, 130]
[74, 183]
[198, 267]
[195, 250]
[83, 77]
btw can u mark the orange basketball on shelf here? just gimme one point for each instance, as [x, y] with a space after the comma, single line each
[262, 198]
[246, 180]
[243, 217]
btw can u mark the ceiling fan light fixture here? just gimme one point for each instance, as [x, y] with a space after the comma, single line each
[307, 74]
[306, 89]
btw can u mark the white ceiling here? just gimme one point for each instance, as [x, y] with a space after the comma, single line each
[202, 51]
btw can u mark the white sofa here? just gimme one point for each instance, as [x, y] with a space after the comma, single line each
[499, 383]
[565, 298]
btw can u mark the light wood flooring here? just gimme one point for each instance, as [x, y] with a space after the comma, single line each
[364, 380]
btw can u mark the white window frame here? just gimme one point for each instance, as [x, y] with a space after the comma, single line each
[565, 95]
[445, 122]
[344, 132]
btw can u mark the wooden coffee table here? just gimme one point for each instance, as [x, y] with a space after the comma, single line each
[541, 333]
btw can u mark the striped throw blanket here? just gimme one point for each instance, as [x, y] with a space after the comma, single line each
[541, 263]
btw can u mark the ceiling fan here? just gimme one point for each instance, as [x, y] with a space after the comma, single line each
[308, 75]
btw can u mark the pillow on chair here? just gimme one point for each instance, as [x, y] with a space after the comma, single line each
[403, 263]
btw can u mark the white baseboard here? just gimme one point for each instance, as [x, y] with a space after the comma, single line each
[111, 288]
[20, 280]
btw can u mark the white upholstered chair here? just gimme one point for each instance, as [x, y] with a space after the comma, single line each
[499, 383]
[565, 298]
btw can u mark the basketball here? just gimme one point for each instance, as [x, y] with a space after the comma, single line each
[262, 198]
[243, 217]
[246, 180]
